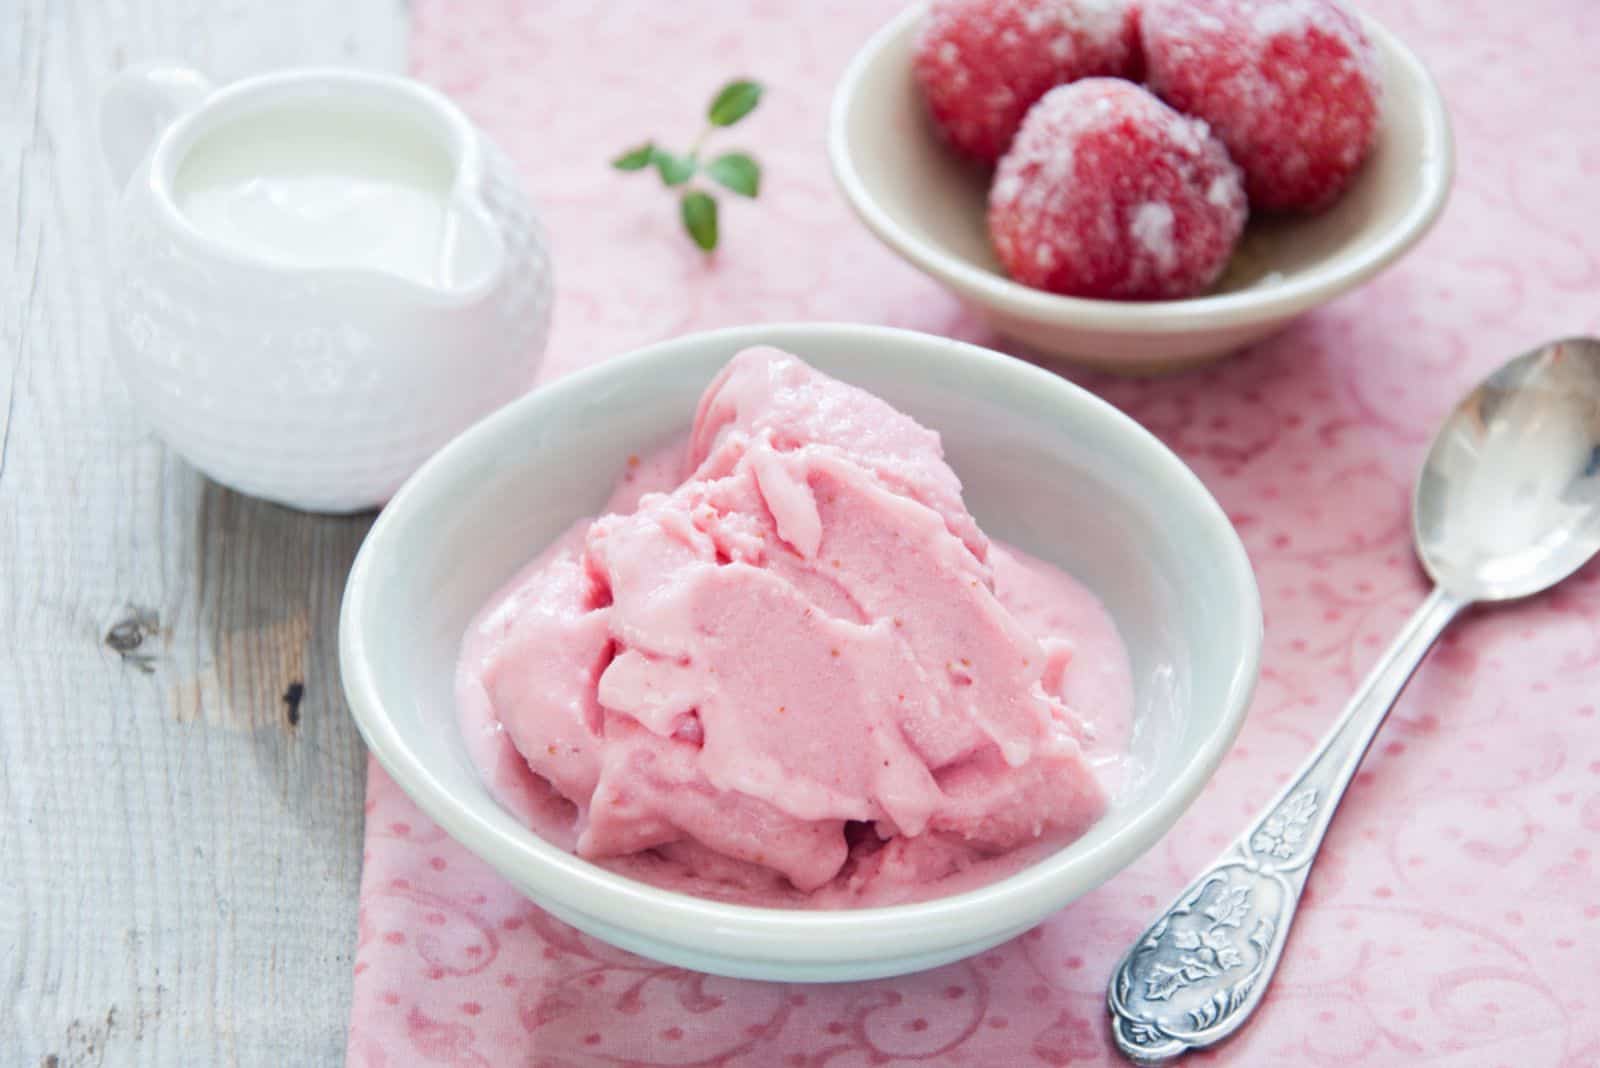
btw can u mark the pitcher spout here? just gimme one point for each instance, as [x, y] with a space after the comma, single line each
[472, 251]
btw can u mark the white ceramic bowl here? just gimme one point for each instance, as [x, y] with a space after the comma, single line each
[1046, 465]
[930, 207]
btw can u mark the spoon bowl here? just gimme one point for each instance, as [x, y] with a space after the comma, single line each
[1508, 502]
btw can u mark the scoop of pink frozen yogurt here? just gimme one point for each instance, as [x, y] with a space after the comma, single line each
[801, 637]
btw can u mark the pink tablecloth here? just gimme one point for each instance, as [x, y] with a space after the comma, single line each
[1455, 916]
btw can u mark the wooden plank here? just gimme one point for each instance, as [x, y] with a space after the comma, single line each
[180, 783]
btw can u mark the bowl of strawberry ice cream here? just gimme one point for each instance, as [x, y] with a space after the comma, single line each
[1144, 200]
[798, 674]
[810, 652]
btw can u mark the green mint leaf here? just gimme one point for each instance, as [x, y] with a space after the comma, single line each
[736, 100]
[674, 170]
[700, 219]
[738, 172]
[635, 159]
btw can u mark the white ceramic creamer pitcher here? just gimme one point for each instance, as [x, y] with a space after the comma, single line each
[318, 276]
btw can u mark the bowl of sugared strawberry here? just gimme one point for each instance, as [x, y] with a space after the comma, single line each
[1141, 185]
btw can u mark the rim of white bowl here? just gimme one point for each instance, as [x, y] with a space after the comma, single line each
[792, 936]
[1304, 290]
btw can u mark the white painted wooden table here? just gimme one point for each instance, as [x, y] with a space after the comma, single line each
[180, 783]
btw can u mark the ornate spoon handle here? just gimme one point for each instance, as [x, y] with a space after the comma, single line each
[1195, 975]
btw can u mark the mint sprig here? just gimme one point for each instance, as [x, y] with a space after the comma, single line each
[736, 172]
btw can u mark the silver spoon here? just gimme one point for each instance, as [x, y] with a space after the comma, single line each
[1508, 505]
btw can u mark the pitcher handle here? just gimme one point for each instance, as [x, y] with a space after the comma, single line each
[139, 103]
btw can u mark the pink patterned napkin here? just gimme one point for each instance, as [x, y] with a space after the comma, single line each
[1455, 916]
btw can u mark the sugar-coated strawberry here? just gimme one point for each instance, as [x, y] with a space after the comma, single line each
[1108, 192]
[982, 63]
[1291, 87]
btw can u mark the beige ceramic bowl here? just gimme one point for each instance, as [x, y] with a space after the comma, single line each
[930, 207]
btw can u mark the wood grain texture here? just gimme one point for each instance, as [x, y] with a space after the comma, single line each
[180, 782]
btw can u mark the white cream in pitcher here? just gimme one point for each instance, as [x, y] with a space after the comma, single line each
[306, 187]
